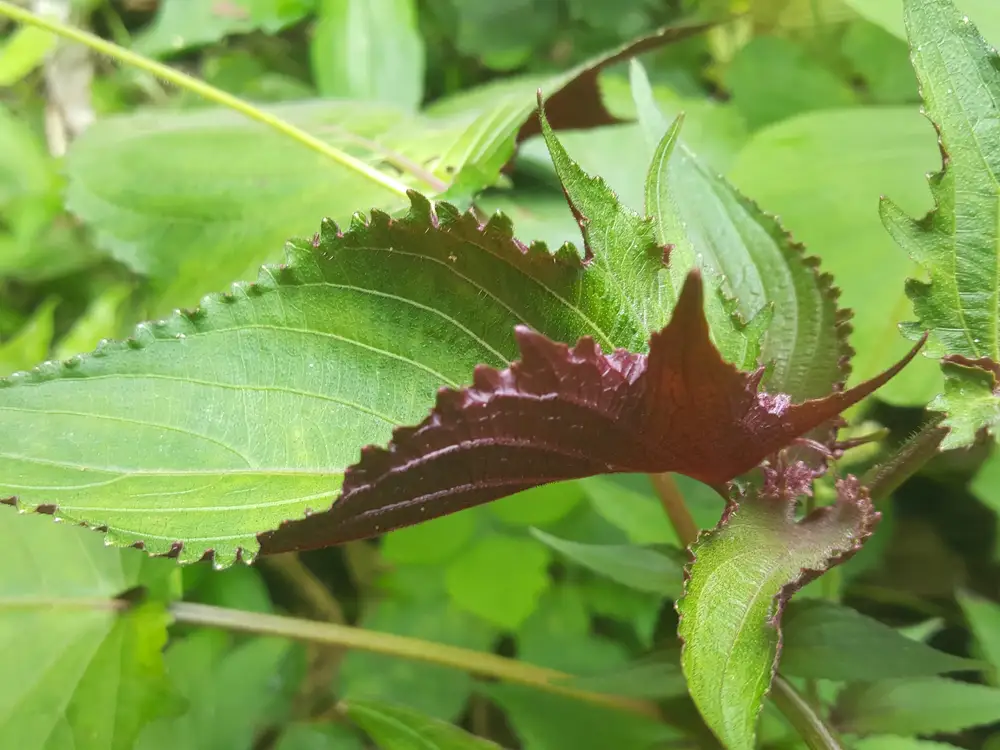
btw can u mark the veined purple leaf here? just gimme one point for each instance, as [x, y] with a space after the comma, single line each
[564, 413]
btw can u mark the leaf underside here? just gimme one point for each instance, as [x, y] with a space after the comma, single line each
[562, 413]
[756, 558]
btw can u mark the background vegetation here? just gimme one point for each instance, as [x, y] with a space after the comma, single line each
[122, 197]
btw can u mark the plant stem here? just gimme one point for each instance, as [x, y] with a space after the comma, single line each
[884, 479]
[675, 507]
[211, 93]
[803, 716]
[475, 662]
[308, 587]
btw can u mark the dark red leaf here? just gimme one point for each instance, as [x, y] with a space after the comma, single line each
[564, 413]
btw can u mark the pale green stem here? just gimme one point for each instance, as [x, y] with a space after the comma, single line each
[803, 716]
[344, 636]
[211, 93]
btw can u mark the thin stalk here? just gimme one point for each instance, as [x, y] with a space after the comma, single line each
[675, 507]
[803, 716]
[885, 478]
[211, 93]
[309, 588]
[475, 662]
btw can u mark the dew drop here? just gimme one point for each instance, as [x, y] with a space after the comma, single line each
[180, 336]
[965, 19]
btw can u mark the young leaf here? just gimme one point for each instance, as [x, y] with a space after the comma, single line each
[80, 672]
[927, 705]
[958, 243]
[823, 640]
[710, 224]
[756, 558]
[638, 568]
[562, 413]
[397, 728]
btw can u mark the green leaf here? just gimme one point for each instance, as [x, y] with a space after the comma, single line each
[983, 617]
[882, 61]
[558, 635]
[23, 51]
[163, 189]
[369, 50]
[551, 722]
[657, 676]
[823, 173]
[232, 693]
[892, 742]
[179, 26]
[437, 691]
[212, 388]
[708, 221]
[889, 15]
[102, 320]
[318, 737]
[928, 705]
[638, 568]
[971, 400]
[639, 514]
[398, 728]
[772, 79]
[626, 247]
[430, 543]
[757, 557]
[31, 343]
[956, 245]
[500, 578]
[539, 506]
[823, 640]
[80, 673]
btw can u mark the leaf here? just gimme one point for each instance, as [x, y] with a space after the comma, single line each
[318, 737]
[639, 514]
[925, 705]
[627, 248]
[101, 320]
[434, 690]
[892, 742]
[179, 26]
[369, 50]
[889, 15]
[957, 243]
[638, 568]
[983, 617]
[162, 190]
[971, 399]
[211, 387]
[709, 223]
[657, 676]
[23, 51]
[823, 640]
[540, 506]
[823, 172]
[754, 561]
[557, 635]
[882, 61]
[500, 579]
[81, 672]
[563, 413]
[544, 721]
[31, 343]
[430, 543]
[398, 728]
[772, 78]
[232, 692]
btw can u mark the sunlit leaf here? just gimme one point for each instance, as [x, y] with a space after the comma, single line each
[394, 727]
